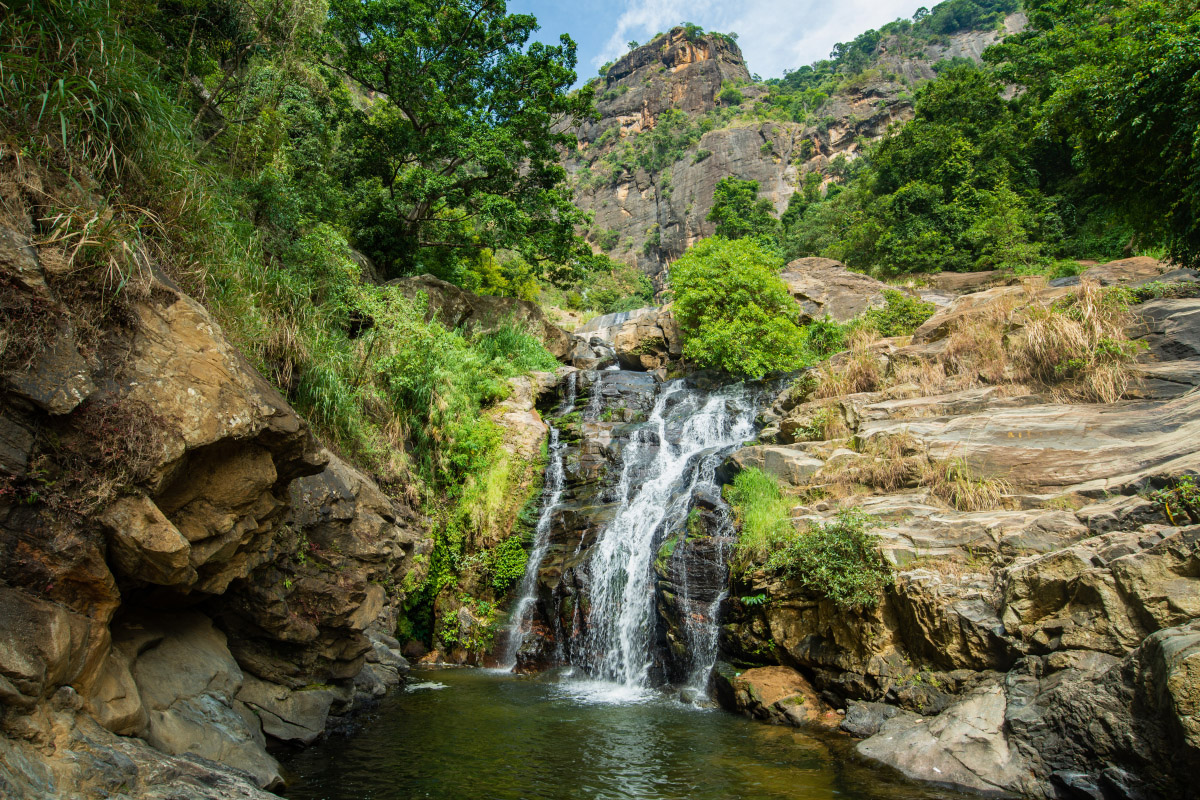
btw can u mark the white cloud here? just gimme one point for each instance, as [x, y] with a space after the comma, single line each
[774, 34]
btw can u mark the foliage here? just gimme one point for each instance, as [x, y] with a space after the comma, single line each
[1114, 87]
[733, 310]
[839, 560]
[739, 212]
[763, 513]
[508, 564]
[955, 482]
[460, 151]
[1179, 500]
[900, 316]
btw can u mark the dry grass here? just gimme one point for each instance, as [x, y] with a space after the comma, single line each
[824, 424]
[1077, 346]
[859, 370]
[953, 481]
[889, 463]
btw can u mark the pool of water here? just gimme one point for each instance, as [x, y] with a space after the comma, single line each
[474, 734]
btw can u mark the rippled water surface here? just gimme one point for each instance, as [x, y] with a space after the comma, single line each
[468, 734]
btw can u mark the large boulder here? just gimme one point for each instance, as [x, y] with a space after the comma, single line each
[779, 695]
[1126, 271]
[644, 339]
[824, 287]
[188, 682]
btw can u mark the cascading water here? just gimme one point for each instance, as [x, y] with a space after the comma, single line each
[552, 492]
[663, 464]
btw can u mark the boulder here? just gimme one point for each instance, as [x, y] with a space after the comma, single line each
[779, 695]
[144, 545]
[44, 646]
[824, 287]
[791, 466]
[1126, 271]
[964, 746]
[188, 682]
[291, 715]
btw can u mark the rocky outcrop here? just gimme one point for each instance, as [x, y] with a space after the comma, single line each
[646, 339]
[1041, 642]
[457, 308]
[825, 288]
[180, 561]
[654, 217]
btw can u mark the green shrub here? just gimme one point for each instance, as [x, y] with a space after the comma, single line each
[901, 315]
[763, 513]
[734, 311]
[839, 560]
[730, 96]
[508, 563]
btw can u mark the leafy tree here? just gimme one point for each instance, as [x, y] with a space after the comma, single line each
[739, 212]
[734, 311]
[459, 149]
[1113, 88]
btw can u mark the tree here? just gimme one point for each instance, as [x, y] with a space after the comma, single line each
[1114, 87]
[458, 151]
[739, 212]
[734, 311]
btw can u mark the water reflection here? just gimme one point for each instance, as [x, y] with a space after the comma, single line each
[546, 737]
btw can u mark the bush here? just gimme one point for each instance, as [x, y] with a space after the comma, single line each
[508, 562]
[763, 514]
[839, 560]
[734, 311]
[901, 315]
[1179, 500]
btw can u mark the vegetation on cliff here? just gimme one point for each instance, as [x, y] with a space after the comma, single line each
[1092, 156]
[251, 151]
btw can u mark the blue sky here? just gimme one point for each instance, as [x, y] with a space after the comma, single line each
[774, 34]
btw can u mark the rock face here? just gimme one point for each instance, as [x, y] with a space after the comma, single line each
[1042, 643]
[179, 558]
[654, 217]
[824, 287]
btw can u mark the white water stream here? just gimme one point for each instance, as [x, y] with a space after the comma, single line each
[660, 471]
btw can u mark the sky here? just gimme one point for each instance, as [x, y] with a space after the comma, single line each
[774, 35]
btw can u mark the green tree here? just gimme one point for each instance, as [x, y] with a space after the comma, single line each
[739, 212]
[734, 311]
[459, 149]
[1113, 89]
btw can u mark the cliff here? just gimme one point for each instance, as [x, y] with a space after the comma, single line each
[184, 571]
[650, 216]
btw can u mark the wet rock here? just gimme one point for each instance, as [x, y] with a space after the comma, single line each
[644, 340]
[865, 719]
[779, 695]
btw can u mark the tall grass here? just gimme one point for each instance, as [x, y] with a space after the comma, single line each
[763, 514]
[68, 78]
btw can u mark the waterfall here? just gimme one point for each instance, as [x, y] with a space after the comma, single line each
[662, 465]
[552, 492]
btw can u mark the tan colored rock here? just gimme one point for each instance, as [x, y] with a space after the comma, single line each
[44, 646]
[1126, 271]
[644, 339]
[779, 695]
[792, 466]
[824, 287]
[114, 701]
[145, 545]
